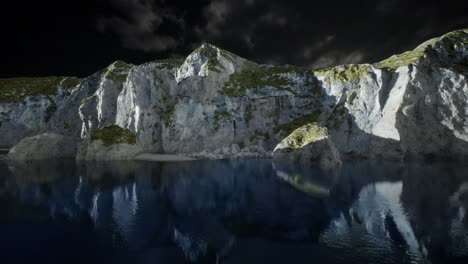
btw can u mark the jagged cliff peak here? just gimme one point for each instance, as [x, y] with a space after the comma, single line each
[208, 59]
[448, 48]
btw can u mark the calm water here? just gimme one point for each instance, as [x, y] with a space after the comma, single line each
[233, 212]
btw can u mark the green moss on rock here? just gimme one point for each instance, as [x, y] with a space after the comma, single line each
[83, 101]
[213, 65]
[303, 136]
[272, 76]
[248, 114]
[113, 134]
[158, 80]
[15, 90]
[401, 60]
[351, 97]
[167, 115]
[219, 116]
[118, 71]
[406, 58]
[50, 110]
[343, 74]
[70, 82]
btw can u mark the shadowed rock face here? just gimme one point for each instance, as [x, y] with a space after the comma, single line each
[44, 146]
[218, 105]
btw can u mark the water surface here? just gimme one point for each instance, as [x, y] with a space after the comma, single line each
[250, 211]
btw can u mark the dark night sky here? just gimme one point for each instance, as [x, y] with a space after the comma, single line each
[80, 37]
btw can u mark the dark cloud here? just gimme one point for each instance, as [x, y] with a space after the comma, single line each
[79, 37]
[386, 6]
[281, 32]
[138, 24]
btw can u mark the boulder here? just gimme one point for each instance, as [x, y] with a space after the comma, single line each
[309, 143]
[44, 146]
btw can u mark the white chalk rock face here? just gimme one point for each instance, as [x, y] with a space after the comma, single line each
[44, 146]
[215, 104]
[308, 144]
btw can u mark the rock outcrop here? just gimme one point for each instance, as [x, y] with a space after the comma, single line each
[307, 144]
[109, 143]
[44, 146]
[215, 104]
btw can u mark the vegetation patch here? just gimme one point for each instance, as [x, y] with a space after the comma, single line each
[448, 40]
[218, 116]
[50, 110]
[158, 80]
[400, 60]
[248, 114]
[83, 101]
[14, 90]
[459, 36]
[304, 135]
[406, 58]
[118, 71]
[241, 145]
[168, 114]
[343, 74]
[113, 134]
[227, 55]
[213, 65]
[264, 76]
[70, 82]
[350, 97]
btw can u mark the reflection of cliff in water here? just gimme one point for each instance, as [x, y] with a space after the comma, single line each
[211, 210]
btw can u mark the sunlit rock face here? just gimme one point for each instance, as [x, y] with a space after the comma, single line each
[215, 104]
[377, 217]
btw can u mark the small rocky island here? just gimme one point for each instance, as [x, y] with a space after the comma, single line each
[216, 105]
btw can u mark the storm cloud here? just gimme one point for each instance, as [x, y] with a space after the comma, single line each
[138, 24]
[91, 34]
[280, 32]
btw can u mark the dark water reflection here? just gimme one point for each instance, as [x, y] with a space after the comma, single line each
[233, 212]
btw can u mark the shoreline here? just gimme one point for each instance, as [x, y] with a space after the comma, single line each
[163, 157]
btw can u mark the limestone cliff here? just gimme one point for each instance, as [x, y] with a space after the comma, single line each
[216, 104]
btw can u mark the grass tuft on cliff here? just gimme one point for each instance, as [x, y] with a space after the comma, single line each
[14, 90]
[273, 77]
[343, 74]
[457, 37]
[113, 134]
